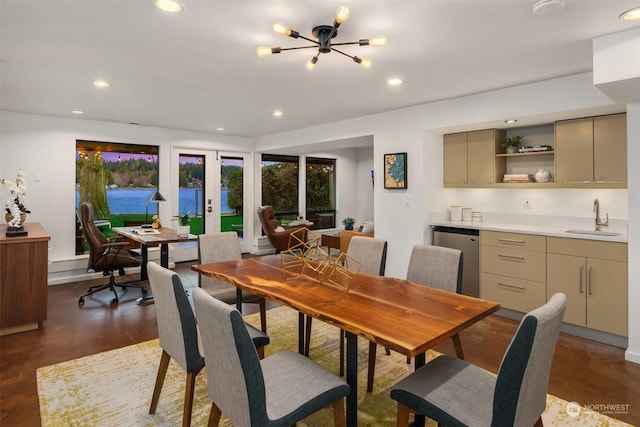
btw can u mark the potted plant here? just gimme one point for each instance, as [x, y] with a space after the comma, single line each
[348, 223]
[183, 224]
[511, 143]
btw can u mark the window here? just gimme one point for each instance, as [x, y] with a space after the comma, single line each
[280, 185]
[321, 192]
[191, 190]
[118, 180]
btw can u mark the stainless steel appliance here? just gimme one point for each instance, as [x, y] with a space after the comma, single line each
[466, 240]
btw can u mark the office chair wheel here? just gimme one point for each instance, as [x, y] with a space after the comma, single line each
[114, 301]
[81, 301]
[144, 290]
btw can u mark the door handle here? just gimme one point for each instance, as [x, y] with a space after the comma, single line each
[209, 209]
[511, 257]
[590, 281]
[580, 272]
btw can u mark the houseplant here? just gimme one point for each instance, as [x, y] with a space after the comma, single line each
[348, 223]
[511, 143]
[183, 224]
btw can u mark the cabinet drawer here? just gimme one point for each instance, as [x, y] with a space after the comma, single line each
[514, 294]
[528, 265]
[613, 251]
[514, 240]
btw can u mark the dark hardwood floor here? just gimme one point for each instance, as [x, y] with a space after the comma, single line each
[587, 372]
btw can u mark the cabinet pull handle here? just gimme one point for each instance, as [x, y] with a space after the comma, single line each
[589, 282]
[511, 257]
[580, 281]
[511, 241]
[506, 285]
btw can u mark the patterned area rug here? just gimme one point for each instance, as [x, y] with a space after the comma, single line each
[114, 388]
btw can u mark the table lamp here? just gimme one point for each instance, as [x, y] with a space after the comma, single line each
[155, 198]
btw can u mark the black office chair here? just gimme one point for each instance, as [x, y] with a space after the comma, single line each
[107, 256]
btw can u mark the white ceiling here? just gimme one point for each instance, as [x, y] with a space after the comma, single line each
[198, 70]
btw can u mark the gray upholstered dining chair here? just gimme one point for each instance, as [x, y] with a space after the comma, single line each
[220, 247]
[178, 334]
[277, 391]
[454, 392]
[438, 267]
[371, 253]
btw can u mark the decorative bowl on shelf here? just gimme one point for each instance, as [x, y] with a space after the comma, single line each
[543, 176]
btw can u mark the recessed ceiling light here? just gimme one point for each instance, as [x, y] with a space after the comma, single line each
[545, 6]
[631, 14]
[277, 113]
[169, 6]
[77, 112]
[101, 83]
[510, 121]
[220, 129]
[394, 82]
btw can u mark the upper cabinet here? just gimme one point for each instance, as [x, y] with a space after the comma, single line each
[592, 150]
[589, 152]
[470, 158]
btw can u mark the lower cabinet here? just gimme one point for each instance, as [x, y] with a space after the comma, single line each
[593, 275]
[522, 272]
[512, 269]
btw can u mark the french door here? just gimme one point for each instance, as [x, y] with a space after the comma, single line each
[210, 186]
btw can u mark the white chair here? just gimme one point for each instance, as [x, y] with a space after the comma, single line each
[279, 390]
[456, 393]
[220, 247]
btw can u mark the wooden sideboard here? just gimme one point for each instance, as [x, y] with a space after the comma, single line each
[23, 279]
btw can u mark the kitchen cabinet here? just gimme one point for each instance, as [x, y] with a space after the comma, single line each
[470, 160]
[591, 150]
[593, 275]
[513, 269]
[23, 279]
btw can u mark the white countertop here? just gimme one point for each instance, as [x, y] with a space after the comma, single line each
[546, 225]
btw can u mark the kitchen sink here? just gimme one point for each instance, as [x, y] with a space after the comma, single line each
[594, 232]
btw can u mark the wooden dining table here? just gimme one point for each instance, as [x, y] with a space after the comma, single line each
[400, 315]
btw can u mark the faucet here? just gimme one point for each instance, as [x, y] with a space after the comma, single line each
[596, 209]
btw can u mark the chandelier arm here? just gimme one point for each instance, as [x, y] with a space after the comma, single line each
[308, 39]
[342, 53]
[299, 47]
[344, 44]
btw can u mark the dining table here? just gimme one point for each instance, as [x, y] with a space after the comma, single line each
[400, 315]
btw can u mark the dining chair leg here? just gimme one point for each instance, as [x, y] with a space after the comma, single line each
[214, 415]
[188, 397]
[371, 368]
[338, 413]
[263, 315]
[458, 346]
[538, 423]
[403, 415]
[260, 352]
[162, 372]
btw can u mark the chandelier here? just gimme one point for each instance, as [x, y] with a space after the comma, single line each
[323, 35]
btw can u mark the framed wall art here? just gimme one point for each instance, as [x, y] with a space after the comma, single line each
[395, 171]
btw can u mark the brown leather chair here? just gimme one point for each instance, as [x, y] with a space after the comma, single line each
[278, 239]
[106, 256]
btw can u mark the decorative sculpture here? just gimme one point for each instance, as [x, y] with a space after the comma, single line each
[15, 204]
[309, 260]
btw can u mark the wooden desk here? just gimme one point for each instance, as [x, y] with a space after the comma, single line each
[23, 279]
[404, 316]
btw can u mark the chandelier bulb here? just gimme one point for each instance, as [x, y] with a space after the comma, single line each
[263, 51]
[281, 29]
[378, 41]
[312, 62]
[364, 62]
[342, 14]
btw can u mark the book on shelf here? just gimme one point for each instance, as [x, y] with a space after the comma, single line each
[516, 177]
[534, 148]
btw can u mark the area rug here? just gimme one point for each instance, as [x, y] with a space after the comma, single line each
[114, 388]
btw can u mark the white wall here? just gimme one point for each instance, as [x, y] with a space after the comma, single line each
[46, 145]
[401, 216]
